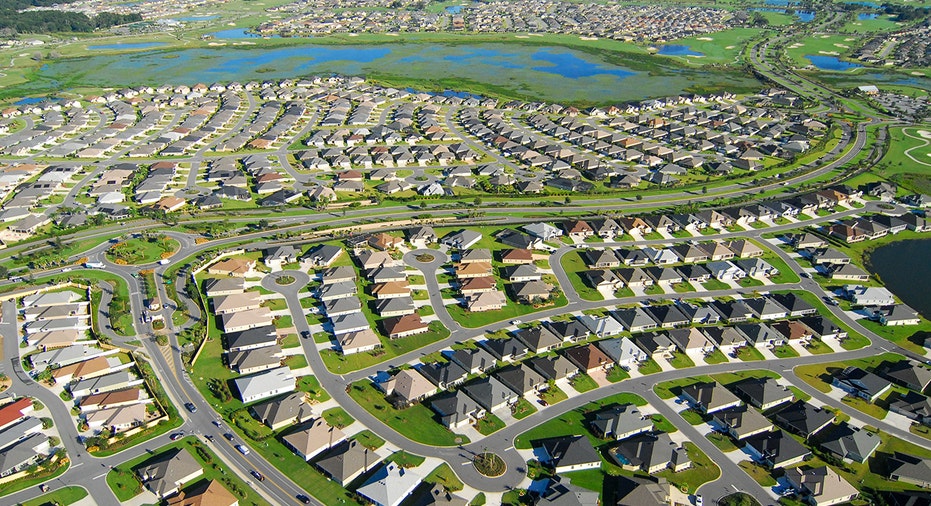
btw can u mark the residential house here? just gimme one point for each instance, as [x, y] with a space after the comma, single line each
[690, 339]
[521, 379]
[444, 374]
[238, 267]
[506, 349]
[456, 409]
[622, 351]
[282, 411]
[634, 319]
[599, 259]
[795, 305]
[462, 239]
[656, 345]
[860, 383]
[725, 271]
[589, 358]
[709, 397]
[908, 374]
[554, 368]
[404, 326]
[530, 292]
[421, 237]
[265, 384]
[390, 485]
[570, 453]
[169, 472]
[650, 453]
[346, 461]
[490, 393]
[474, 360]
[775, 449]
[909, 469]
[407, 386]
[849, 443]
[358, 341]
[539, 339]
[620, 422]
[764, 393]
[802, 418]
[741, 421]
[313, 439]
[251, 339]
[215, 287]
[204, 493]
[726, 339]
[821, 486]
[668, 316]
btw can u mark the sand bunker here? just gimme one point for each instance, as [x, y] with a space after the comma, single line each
[216, 44]
[925, 135]
[829, 53]
[825, 36]
[842, 46]
[704, 38]
[540, 35]
[916, 73]
[730, 47]
[588, 38]
[391, 34]
[849, 39]
[521, 36]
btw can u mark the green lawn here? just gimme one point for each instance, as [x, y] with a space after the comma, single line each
[510, 311]
[416, 422]
[681, 361]
[573, 422]
[142, 250]
[758, 473]
[368, 439]
[649, 367]
[715, 357]
[722, 441]
[523, 408]
[692, 417]
[125, 485]
[714, 284]
[444, 475]
[702, 471]
[337, 417]
[819, 375]
[405, 459]
[489, 424]
[573, 265]
[553, 395]
[617, 373]
[338, 363]
[660, 423]
[583, 383]
[749, 354]
[61, 497]
[785, 351]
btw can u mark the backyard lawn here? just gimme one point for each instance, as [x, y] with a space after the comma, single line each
[415, 422]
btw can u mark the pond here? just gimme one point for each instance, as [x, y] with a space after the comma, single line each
[548, 73]
[239, 33]
[126, 45]
[678, 50]
[863, 16]
[198, 18]
[909, 284]
[831, 63]
[803, 16]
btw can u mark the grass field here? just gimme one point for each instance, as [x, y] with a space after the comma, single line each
[724, 47]
[416, 422]
[573, 265]
[825, 45]
[61, 497]
[573, 422]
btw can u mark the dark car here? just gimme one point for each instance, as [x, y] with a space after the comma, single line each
[305, 334]
[217, 423]
[303, 498]
[228, 436]
[190, 407]
[257, 475]
[176, 436]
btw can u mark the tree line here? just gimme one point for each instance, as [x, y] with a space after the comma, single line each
[14, 19]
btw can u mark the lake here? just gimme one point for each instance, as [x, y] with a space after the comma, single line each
[127, 45]
[803, 16]
[678, 50]
[548, 73]
[831, 63]
[904, 268]
[863, 16]
[240, 33]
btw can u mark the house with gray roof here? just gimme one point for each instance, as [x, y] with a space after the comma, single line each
[506, 349]
[255, 360]
[390, 485]
[167, 473]
[860, 383]
[621, 422]
[565, 494]
[554, 368]
[775, 449]
[282, 411]
[849, 443]
[741, 421]
[709, 397]
[570, 453]
[650, 453]
[906, 468]
[634, 319]
[338, 307]
[456, 409]
[908, 374]
[20, 456]
[802, 418]
[490, 393]
[622, 351]
[444, 374]
[474, 360]
[462, 239]
[539, 339]
[764, 393]
[346, 461]
[265, 384]
[521, 379]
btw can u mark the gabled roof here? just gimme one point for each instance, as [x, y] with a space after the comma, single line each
[163, 474]
[489, 392]
[762, 391]
[556, 367]
[908, 373]
[914, 468]
[776, 446]
[802, 418]
[648, 450]
[390, 484]
[621, 420]
[849, 442]
[571, 451]
[520, 378]
[315, 437]
[710, 395]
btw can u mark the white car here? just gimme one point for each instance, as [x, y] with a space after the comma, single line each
[698, 500]
[242, 449]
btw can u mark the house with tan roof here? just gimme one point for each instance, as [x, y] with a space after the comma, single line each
[358, 342]
[169, 204]
[208, 493]
[245, 320]
[238, 267]
[116, 419]
[91, 368]
[407, 387]
[383, 242]
[168, 472]
[486, 301]
[237, 302]
[821, 486]
[473, 270]
[391, 289]
[472, 286]
[313, 439]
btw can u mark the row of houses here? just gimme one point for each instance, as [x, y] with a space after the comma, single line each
[23, 443]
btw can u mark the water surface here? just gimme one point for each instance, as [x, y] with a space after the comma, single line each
[904, 269]
[678, 50]
[831, 63]
[127, 45]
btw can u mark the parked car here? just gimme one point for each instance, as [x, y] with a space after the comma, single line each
[242, 449]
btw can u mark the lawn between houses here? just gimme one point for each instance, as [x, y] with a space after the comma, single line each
[125, 484]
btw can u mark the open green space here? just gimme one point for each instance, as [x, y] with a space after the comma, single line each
[62, 497]
[573, 265]
[415, 422]
[489, 424]
[142, 250]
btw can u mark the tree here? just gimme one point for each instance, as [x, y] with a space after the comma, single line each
[477, 201]
[704, 190]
